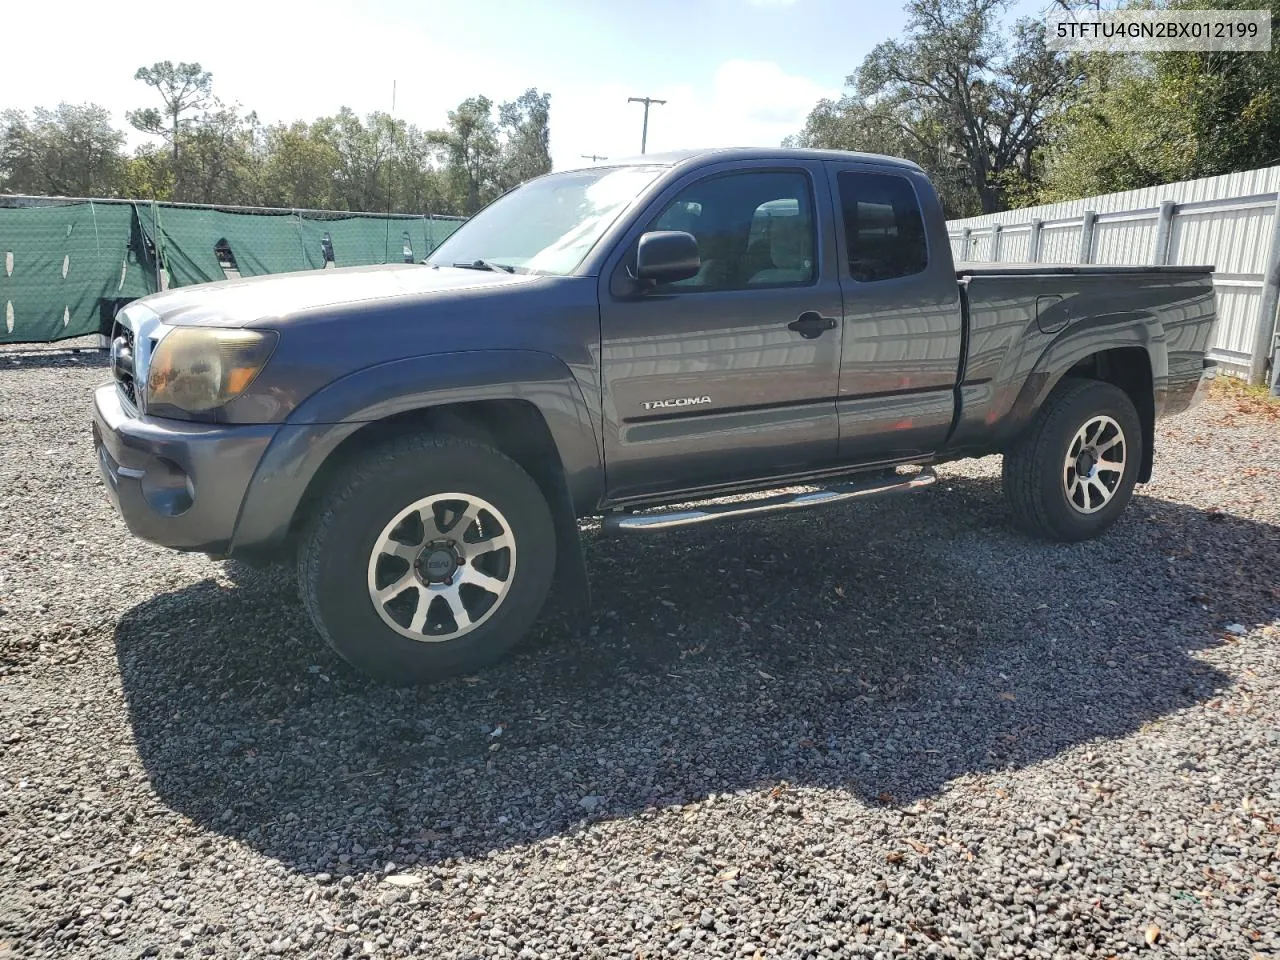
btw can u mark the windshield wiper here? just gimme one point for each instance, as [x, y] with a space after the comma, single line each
[487, 265]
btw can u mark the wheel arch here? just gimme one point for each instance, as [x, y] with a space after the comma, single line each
[1133, 358]
[525, 403]
[514, 426]
[1128, 368]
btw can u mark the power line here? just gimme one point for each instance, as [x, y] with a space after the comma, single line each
[644, 133]
[593, 157]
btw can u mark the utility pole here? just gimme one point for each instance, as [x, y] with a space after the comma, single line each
[593, 157]
[644, 133]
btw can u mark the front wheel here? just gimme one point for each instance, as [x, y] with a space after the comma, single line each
[429, 557]
[1070, 475]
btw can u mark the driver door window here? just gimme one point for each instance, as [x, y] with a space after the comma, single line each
[753, 230]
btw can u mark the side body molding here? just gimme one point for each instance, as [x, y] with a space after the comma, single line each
[316, 428]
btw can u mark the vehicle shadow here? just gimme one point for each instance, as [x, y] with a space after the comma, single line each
[882, 650]
[41, 359]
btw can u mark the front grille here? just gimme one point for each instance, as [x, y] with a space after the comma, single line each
[122, 361]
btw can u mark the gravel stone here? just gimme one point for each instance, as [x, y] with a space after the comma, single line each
[896, 729]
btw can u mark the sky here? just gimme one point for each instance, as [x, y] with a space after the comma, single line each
[733, 72]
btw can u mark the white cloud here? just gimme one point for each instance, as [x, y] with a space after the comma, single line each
[749, 103]
[769, 94]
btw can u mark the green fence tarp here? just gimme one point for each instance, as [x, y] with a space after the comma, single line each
[260, 243]
[359, 241]
[439, 230]
[59, 263]
[69, 265]
[280, 242]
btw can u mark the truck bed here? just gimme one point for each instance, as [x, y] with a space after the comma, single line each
[987, 269]
[1016, 312]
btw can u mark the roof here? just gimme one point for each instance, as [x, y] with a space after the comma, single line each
[679, 157]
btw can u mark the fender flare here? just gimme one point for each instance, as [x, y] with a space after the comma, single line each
[1079, 342]
[319, 425]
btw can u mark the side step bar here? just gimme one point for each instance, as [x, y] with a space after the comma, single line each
[660, 520]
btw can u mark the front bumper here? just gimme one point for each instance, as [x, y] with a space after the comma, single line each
[175, 483]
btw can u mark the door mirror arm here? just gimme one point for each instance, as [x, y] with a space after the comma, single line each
[639, 285]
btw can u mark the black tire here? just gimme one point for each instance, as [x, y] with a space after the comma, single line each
[1035, 475]
[335, 549]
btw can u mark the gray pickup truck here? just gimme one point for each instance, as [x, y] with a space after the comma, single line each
[638, 341]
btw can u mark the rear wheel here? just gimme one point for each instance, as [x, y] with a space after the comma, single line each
[430, 557]
[1070, 475]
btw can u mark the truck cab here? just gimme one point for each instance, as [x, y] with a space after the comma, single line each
[823, 324]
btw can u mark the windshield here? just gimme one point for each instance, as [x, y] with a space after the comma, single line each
[548, 225]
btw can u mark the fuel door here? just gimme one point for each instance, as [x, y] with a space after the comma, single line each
[1052, 313]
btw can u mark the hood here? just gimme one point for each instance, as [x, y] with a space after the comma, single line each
[235, 303]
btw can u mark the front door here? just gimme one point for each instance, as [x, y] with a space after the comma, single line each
[729, 376]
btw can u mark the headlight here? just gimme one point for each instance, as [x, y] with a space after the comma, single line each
[198, 369]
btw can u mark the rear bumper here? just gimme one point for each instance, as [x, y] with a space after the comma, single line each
[1186, 387]
[175, 483]
[1207, 376]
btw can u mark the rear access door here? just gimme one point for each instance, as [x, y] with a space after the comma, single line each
[902, 321]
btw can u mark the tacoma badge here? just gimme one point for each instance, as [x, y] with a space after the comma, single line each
[676, 402]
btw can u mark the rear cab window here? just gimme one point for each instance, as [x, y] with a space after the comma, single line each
[883, 227]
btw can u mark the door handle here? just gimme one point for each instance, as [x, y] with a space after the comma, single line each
[811, 324]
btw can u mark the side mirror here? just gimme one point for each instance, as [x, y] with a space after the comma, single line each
[666, 256]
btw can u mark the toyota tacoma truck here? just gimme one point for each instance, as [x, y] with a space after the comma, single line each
[662, 342]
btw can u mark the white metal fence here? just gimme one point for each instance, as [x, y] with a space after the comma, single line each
[1231, 222]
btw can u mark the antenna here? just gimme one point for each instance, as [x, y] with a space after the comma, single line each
[386, 253]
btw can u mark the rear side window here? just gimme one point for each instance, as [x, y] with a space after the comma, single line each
[883, 228]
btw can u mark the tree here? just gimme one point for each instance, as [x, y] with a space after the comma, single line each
[1125, 130]
[471, 153]
[1232, 98]
[216, 153]
[524, 124]
[185, 89]
[852, 123]
[963, 89]
[71, 151]
[299, 168]
[345, 163]
[218, 164]
[148, 174]
[1139, 121]
[363, 150]
[417, 186]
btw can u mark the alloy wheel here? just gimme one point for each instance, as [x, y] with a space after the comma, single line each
[442, 567]
[1094, 464]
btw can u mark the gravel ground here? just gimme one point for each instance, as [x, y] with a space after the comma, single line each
[898, 729]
